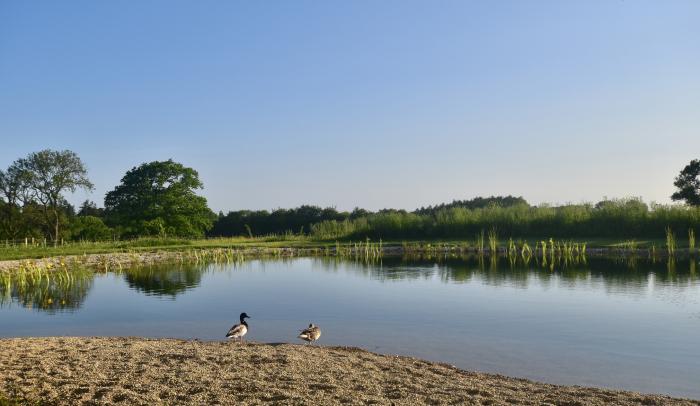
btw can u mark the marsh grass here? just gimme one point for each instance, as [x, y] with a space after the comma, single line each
[367, 250]
[480, 242]
[45, 288]
[691, 239]
[525, 252]
[670, 241]
[20, 251]
[630, 245]
[295, 244]
[512, 249]
[493, 241]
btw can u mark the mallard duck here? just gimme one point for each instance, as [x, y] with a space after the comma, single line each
[310, 334]
[239, 330]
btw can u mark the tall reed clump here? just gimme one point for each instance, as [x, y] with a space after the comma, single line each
[480, 242]
[691, 239]
[670, 241]
[493, 241]
[512, 250]
[526, 252]
[630, 245]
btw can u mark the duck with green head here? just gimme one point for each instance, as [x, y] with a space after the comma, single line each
[240, 329]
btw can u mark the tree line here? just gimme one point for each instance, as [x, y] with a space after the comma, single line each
[160, 198]
[628, 218]
[154, 199]
[305, 219]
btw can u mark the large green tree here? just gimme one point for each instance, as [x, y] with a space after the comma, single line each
[158, 198]
[688, 184]
[48, 175]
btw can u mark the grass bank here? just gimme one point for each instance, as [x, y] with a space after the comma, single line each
[483, 240]
[117, 255]
[34, 250]
[165, 371]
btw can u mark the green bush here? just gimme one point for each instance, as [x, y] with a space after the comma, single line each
[89, 228]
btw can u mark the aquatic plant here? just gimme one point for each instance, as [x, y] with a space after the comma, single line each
[511, 248]
[46, 289]
[691, 239]
[525, 252]
[480, 242]
[670, 241]
[630, 245]
[493, 241]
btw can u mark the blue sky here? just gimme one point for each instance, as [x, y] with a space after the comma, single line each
[361, 103]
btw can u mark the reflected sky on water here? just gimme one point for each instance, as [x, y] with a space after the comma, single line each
[624, 323]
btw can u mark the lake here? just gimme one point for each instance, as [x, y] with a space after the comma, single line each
[619, 323]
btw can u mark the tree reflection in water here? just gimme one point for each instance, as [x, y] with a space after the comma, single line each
[165, 280]
[619, 274]
[65, 290]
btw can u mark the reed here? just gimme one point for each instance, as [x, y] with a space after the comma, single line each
[480, 242]
[512, 250]
[525, 252]
[691, 239]
[493, 241]
[670, 241]
[630, 245]
[543, 249]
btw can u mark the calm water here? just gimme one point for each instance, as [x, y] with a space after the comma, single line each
[608, 323]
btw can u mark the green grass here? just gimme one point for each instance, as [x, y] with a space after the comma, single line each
[691, 239]
[147, 244]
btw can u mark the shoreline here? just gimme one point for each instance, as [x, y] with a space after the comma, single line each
[108, 370]
[118, 260]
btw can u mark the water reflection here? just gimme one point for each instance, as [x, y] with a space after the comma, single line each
[164, 280]
[53, 291]
[63, 290]
[618, 274]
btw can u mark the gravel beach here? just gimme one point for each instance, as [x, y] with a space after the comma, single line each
[167, 371]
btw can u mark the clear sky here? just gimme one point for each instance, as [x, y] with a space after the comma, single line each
[360, 103]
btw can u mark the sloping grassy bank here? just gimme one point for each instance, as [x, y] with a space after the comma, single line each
[164, 371]
[33, 250]
[300, 243]
[105, 256]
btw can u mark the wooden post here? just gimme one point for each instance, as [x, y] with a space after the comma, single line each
[26, 241]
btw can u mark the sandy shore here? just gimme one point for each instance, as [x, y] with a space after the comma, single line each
[166, 371]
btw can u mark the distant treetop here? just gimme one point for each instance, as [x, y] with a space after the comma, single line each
[688, 184]
[475, 203]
